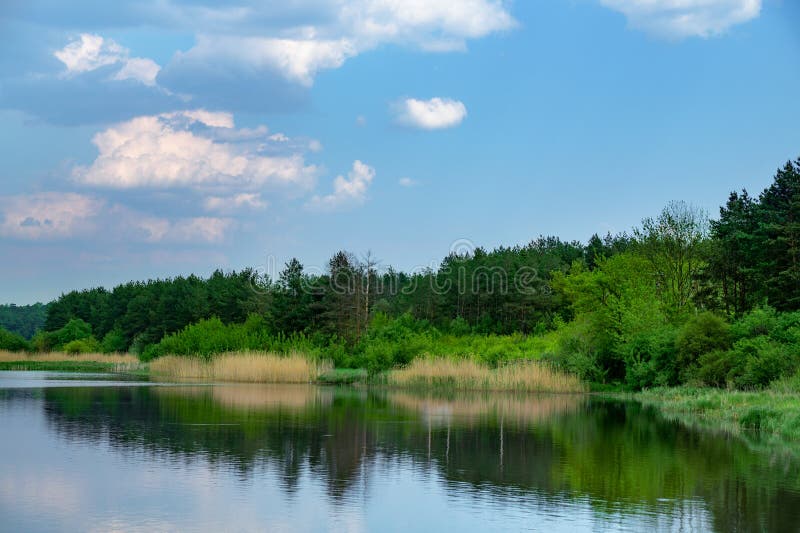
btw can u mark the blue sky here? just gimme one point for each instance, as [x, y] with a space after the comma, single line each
[156, 138]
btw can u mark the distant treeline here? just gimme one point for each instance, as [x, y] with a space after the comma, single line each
[24, 320]
[643, 307]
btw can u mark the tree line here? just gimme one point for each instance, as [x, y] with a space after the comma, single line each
[600, 306]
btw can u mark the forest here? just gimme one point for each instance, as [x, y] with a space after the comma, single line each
[681, 298]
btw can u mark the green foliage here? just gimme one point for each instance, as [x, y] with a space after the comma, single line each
[758, 321]
[703, 333]
[212, 336]
[143, 312]
[77, 346]
[24, 320]
[114, 341]
[74, 330]
[651, 359]
[13, 342]
[752, 363]
[760, 361]
[717, 368]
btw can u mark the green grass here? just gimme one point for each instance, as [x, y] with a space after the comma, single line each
[343, 376]
[767, 416]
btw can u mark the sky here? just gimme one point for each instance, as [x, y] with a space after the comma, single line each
[163, 137]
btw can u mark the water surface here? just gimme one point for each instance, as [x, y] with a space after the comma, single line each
[102, 453]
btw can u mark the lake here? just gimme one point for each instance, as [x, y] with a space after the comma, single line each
[102, 453]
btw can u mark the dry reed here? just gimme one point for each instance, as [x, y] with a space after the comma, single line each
[465, 374]
[246, 367]
[58, 357]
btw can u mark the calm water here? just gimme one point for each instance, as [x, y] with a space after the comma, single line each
[100, 455]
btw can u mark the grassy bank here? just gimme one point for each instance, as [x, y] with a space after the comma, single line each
[246, 367]
[772, 414]
[465, 374]
[63, 362]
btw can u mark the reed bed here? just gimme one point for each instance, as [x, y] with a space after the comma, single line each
[244, 367]
[58, 357]
[64, 362]
[465, 374]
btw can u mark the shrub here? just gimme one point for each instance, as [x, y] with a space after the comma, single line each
[13, 342]
[787, 328]
[759, 321]
[650, 359]
[75, 329]
[703, 333]
[762, 361]
[210, 337]
[716, 368]
[77, 346]
[114, 341]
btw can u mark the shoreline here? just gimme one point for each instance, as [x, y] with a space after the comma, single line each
[769, 417]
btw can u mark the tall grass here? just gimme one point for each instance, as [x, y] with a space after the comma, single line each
[64, 362]
[245, 367]
[58, 357]
[774, 411]
[466, 374]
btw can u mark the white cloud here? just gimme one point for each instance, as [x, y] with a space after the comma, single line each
[121, 222]
[298, 60]
[236, 202]
[90, 52]
[48, 215]
[406, 182]
[342, 30]
[347, 192]
[198, 150]
[198, 229]
[61, 216]
[436, 113]
[678, 19]
[140, 69]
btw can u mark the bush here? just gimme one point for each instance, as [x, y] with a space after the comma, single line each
[650, 359]
[759, 321]
[715, 369]
[78, 346]
[703, 333]
[210, 337]
[76, 329]
[13, 342]
[761, 361]
[114, 341]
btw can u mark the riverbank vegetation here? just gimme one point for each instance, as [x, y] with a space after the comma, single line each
[64, 362]
[681, 300]
[246, 367]
[451, 374]
[772, 412]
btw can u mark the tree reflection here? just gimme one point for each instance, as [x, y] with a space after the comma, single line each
[619, 457]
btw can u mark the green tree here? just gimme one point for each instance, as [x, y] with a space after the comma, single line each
[672, 243]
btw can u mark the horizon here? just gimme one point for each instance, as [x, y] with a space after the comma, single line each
[160, 140]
